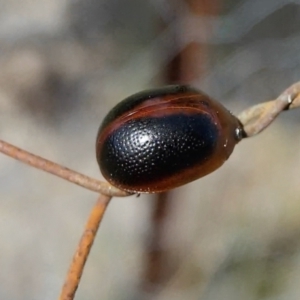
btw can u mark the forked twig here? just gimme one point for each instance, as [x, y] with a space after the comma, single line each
[83, 249]
[254, 120]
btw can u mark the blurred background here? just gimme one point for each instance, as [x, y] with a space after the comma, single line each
[234, 234]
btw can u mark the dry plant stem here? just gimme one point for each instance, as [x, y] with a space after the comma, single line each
[60, 171]
[157, 266]
[83, 249]
[257, 118]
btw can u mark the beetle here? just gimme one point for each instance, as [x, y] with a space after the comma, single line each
[163, 138]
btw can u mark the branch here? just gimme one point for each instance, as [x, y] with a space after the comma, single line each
[257, 118]
[60, 171]
[83, 249]
[254, 120]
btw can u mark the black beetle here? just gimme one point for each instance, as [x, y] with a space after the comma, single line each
[160, 139]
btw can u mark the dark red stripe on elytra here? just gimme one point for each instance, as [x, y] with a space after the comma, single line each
[155, 95]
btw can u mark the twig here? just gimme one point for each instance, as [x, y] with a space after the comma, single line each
[157, 270]
[60, 171]
[254, 120]
[257, 118]
[83, 249]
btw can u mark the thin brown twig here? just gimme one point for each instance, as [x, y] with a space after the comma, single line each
[157, 270]
[254, 120]
[60, 171]
[83, 249]
[257, 118]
